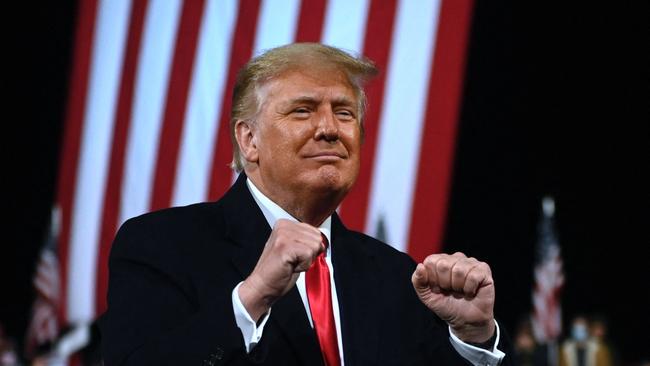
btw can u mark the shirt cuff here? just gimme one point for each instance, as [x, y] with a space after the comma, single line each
[251, 332]
[475, 355]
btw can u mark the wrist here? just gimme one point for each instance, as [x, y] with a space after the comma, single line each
[253, 300]
[487, 345]
[476, 334]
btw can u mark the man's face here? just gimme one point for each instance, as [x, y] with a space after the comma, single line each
[307, 133]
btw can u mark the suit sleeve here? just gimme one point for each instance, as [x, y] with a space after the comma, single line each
[153, 315]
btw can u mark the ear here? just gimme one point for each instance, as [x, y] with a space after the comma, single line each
[245, 135]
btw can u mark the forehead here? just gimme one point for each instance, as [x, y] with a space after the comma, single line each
[317, 83]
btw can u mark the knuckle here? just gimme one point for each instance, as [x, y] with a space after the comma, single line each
[485, 267]
[474, 277]
[280, 243]
[430, 260]
[458, 271]
[284, 236]
[427, 263]
[444, 264]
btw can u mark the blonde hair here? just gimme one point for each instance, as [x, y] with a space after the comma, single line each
[272, 63]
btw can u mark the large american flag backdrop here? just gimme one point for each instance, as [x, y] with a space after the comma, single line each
[147, 118]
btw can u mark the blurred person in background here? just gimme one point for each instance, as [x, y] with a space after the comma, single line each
[525, 343]
[8, 356]
[527, 351]
[599, 332]
[582, 350]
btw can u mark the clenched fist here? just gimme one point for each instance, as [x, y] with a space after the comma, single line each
[460, 290]
[290, 249]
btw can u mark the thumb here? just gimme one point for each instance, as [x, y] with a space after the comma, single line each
[420, 278]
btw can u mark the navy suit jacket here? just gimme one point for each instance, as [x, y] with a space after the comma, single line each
[172, 273]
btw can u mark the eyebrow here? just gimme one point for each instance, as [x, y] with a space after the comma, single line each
[342, 100]
[301, 100]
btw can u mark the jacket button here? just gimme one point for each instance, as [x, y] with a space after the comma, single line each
[213, 358]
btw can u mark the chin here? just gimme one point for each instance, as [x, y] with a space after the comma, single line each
[331, 179]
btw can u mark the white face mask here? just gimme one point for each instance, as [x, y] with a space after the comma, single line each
[579, 332]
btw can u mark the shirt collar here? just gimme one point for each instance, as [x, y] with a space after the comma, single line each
[272, 212]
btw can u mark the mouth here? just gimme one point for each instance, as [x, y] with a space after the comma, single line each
[326, 156]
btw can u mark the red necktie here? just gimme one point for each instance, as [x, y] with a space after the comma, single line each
[319, 293]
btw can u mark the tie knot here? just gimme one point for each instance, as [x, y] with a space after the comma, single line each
[326, 242]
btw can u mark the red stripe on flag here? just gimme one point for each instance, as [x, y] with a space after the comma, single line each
[437, 144]
[113, 193]
[310, 22]
[240, 52]
[75, 359]
[69, 155]
[377, 47]
[177, 90]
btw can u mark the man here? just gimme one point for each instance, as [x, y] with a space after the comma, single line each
[581, 349]
[268, 274]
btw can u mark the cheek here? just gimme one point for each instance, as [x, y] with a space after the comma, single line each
[283, 144]
[351, 138]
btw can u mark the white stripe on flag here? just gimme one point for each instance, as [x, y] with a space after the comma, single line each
[277, 24]
[105, 69]
[158, 39]
[345, 24]
[401, 123]
[206, 89]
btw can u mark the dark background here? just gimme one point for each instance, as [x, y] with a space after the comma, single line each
[555, 102]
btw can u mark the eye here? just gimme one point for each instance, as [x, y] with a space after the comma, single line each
[345, 114]
[301, 112]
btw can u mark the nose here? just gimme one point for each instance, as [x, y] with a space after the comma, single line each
[327, 126]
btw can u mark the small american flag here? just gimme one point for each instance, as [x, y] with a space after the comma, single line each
[44, 328]
[549, 279]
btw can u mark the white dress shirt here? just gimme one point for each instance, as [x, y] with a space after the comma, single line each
[252, 332]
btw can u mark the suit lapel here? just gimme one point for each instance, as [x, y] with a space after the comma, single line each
[357, 292]
[249, 230]
[289, 314]
[246, 226]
